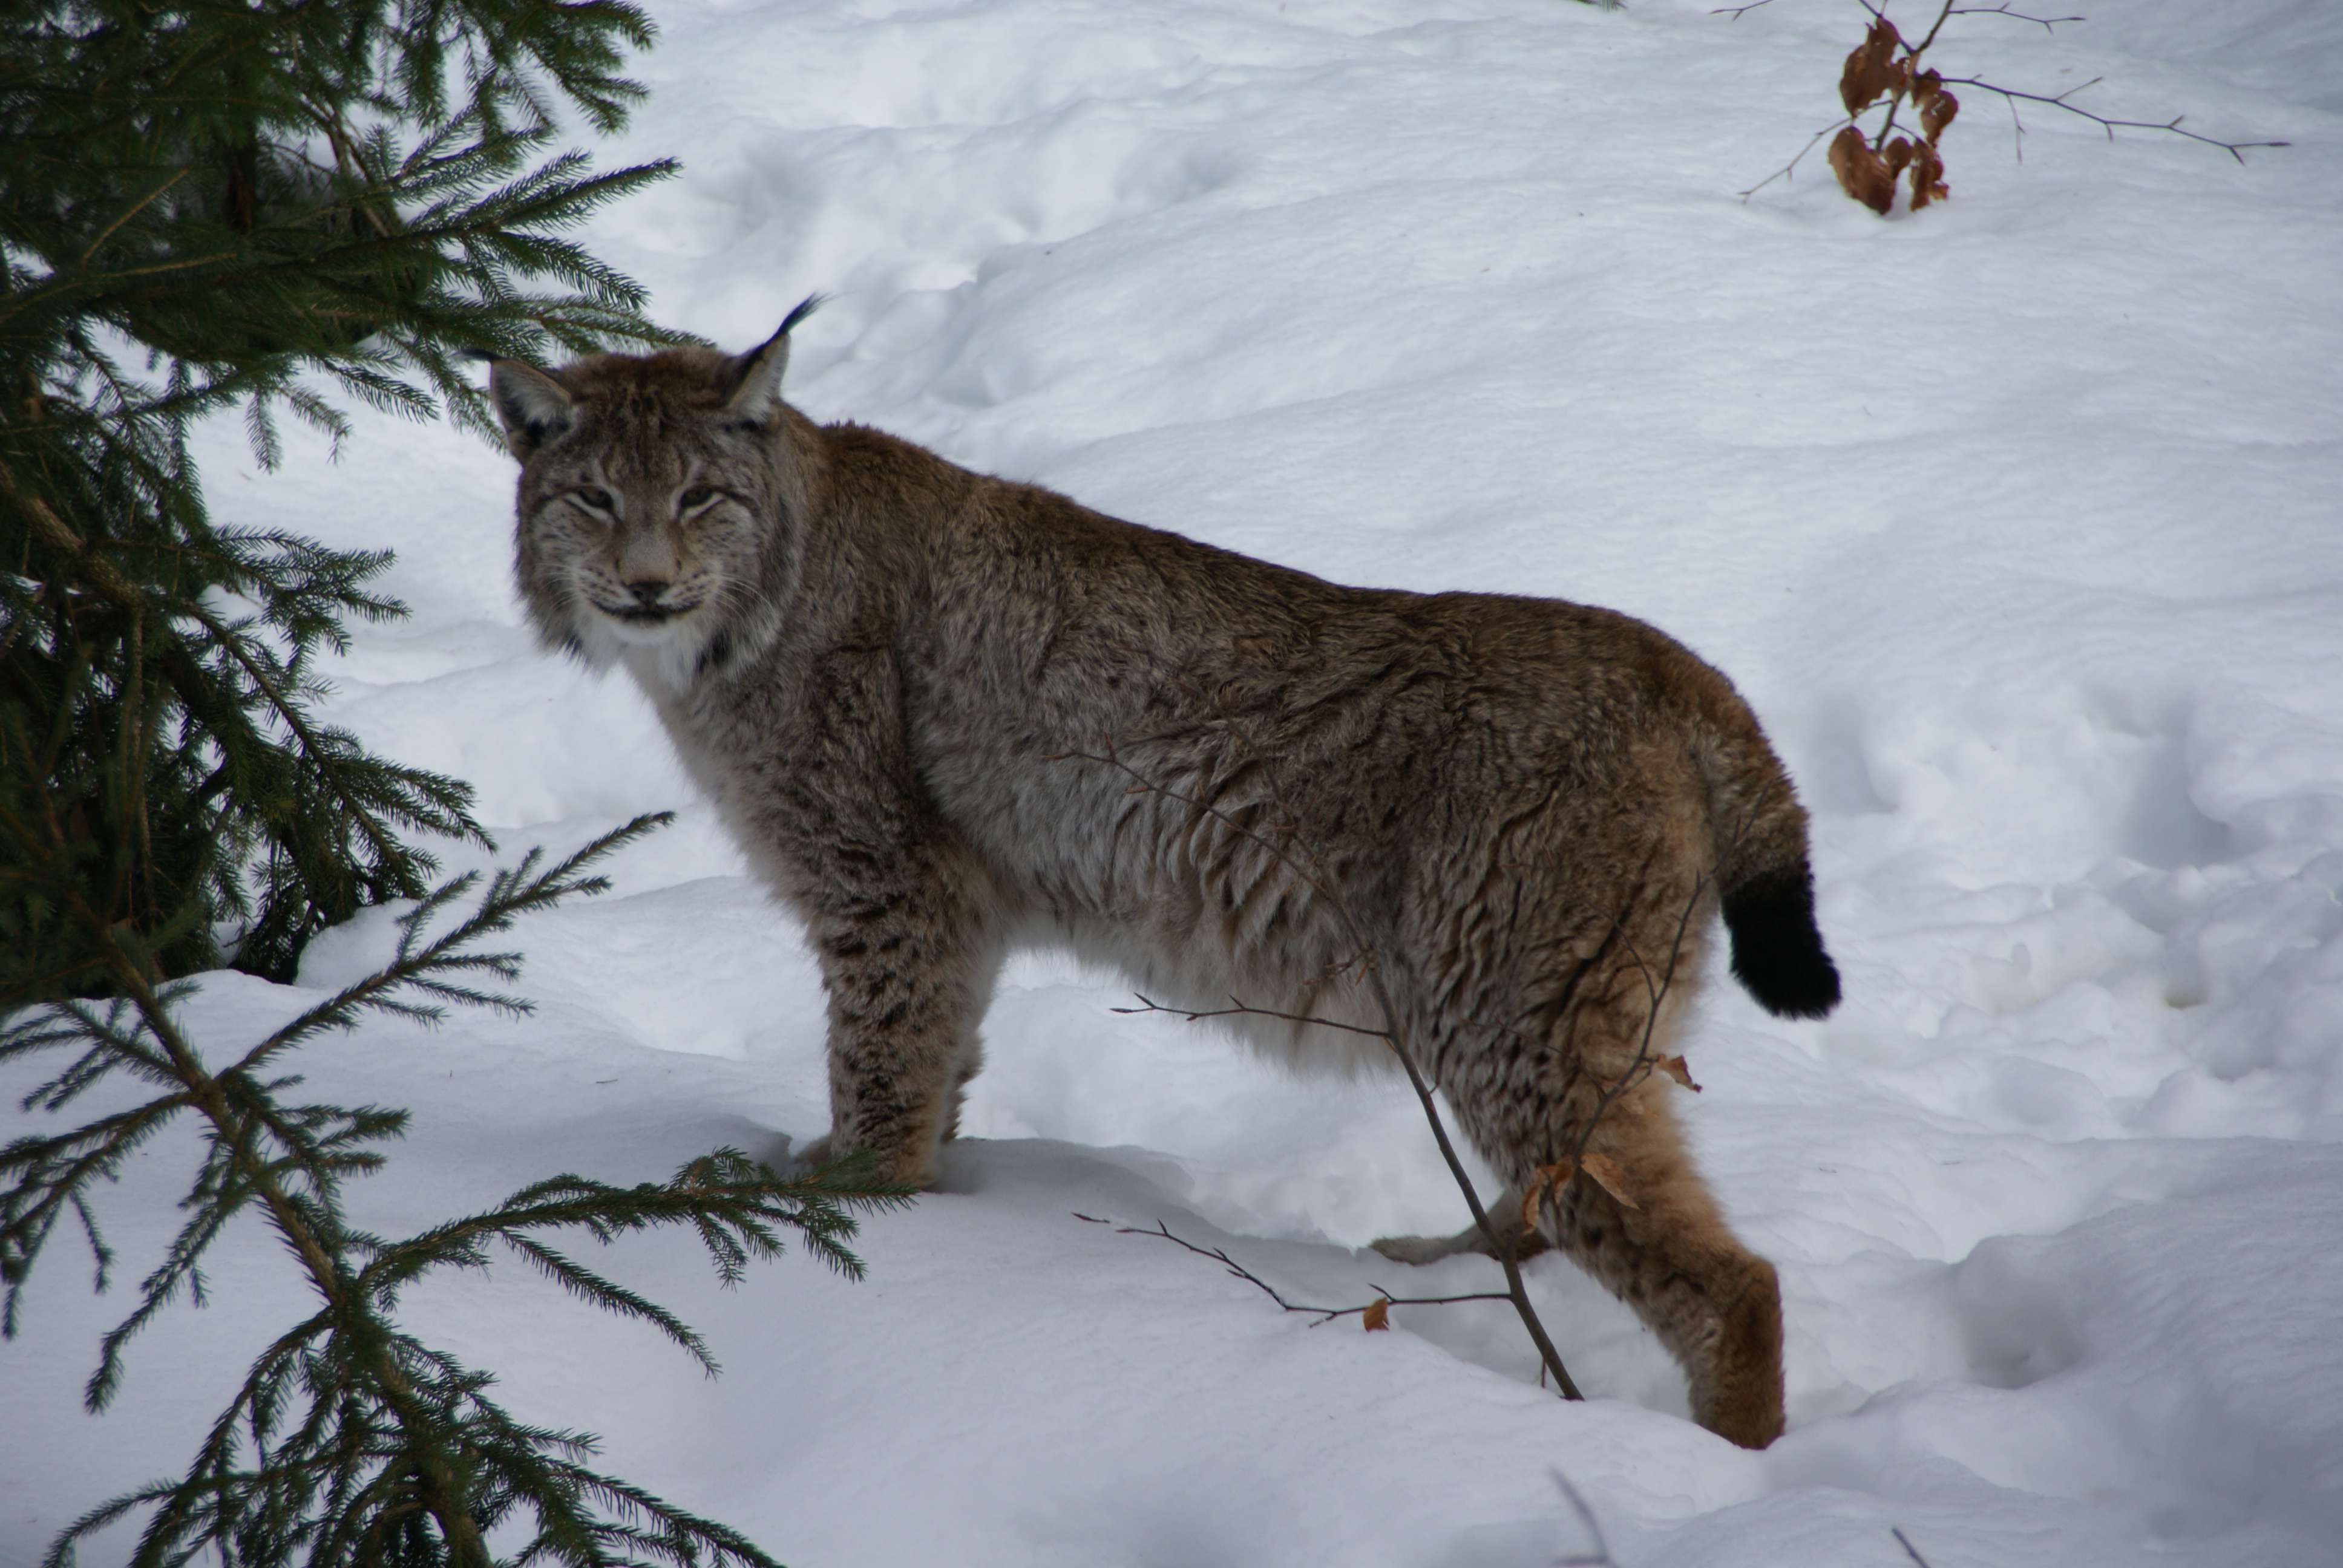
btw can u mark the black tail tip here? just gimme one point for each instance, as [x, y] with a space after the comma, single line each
[1778, 952]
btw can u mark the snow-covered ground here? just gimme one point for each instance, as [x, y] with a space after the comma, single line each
[2020, 522]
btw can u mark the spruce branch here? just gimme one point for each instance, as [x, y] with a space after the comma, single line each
[280, 207]
[350, 1440]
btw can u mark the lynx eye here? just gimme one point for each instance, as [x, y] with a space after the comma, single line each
[693, 499]
[596, 501]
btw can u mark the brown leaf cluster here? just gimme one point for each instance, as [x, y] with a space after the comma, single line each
[1549, 1179]
[1870, 167]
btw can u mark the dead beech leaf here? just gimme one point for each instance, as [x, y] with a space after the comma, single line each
[1377, 1316]
[1544, 1181]
[1937, 114]
[1862, 173]
[1674, 1066]
[1870, 70]
[1609, 1177]
[1928, 177]
[1898, 153]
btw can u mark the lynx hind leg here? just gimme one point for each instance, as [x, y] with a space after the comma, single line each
[1717, 1305]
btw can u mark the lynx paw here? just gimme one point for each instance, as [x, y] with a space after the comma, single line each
[1505, 1216]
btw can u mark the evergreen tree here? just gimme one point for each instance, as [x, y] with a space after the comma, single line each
[210, 204]
[218, 203]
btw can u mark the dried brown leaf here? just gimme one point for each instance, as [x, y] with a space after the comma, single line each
[1544, 1181]
[1937, 114]
[1870, 70]
[1607, 1175]
[1862, 173]
[1928, 177]
[1674, 1066]
[1377, 1316]
[1898, 153]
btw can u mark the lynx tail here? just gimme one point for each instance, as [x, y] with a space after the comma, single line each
[1765, 879]
[1777, 953]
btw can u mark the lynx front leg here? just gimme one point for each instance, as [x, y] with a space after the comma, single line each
[1504, 1213]
[908, 961]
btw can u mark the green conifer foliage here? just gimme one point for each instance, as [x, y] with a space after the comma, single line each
[351, 1443]
[208, 204]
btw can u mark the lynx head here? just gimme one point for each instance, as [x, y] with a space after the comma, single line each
[659, 503]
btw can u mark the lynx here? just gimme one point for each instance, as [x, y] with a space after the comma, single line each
[945, 715]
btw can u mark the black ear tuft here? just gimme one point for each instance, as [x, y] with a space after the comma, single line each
[805, 306]
[756, 376]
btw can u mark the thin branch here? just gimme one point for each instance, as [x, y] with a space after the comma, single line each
[1322, 1314]
[1602, 1557]
[2058, 101]
[1906, 1541]
[1913, 51]
[1784, 171]
[1239, 1009]
[2048, 24]
[127, 214]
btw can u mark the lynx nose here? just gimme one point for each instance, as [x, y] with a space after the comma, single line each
[646, 592]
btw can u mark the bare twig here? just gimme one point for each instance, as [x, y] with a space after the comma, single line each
[1322, 1314]
[1602, 1557]
[1737, 11]
[2236, 150]
[1784, 171]
[1906, 1541]
[2048, 24]
[1239, 1009]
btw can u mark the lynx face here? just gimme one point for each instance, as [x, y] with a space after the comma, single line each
[648, 520]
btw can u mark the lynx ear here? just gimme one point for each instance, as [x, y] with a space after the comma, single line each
[756, 376]
[534, 407]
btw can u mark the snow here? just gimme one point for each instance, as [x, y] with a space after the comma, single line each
[2016, 521]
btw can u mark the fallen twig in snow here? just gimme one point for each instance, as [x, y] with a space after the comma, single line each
[1371, 1311]
[1906, 1541]
[1602, 1557]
